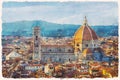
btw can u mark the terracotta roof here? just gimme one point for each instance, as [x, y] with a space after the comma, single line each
[95, 65]
[70, 65]
[85, 33]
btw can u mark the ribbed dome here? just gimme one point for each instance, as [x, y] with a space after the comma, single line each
[85, 33]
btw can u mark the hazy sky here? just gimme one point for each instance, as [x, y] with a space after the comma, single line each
[98, 13]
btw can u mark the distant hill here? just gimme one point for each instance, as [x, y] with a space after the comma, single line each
[25, 28]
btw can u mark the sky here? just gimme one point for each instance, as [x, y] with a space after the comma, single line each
[97, 13]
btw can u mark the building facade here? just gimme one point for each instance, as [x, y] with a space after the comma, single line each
[58, 53]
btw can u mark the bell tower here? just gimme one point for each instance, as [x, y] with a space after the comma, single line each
[36, 48]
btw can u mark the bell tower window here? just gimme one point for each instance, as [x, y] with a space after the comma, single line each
[36, 37]
[86, 45]
[77, 44]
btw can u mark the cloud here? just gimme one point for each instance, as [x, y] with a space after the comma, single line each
[98, 13]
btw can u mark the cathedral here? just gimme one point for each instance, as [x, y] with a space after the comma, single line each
[85, 41]
[84, 45]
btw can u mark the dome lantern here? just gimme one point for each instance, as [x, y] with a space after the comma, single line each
[85, 22]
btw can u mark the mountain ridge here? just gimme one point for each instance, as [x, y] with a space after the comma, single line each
[48, 29]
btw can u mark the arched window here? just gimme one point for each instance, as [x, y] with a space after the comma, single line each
[59, 50]
[36, 45]
[69, 59]
[86, 45]
[59, 59]
[69, 50]
[95, 45]
[36, 37]
[77, 44]
[50, 50]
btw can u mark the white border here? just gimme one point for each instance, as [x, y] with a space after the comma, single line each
[1, 78]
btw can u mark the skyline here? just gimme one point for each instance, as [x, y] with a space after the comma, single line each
[62, 12]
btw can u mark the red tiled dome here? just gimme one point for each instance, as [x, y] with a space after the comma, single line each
[88, 34]
[85, 33]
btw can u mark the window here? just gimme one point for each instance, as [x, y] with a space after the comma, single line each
[36, 45]
[86, 45]
[69, 50]
[69, 59]
[50, 67]
[95, 45]
[59, 50]
[50, 50]
[59, 59]
[36, 37]
[77, 44]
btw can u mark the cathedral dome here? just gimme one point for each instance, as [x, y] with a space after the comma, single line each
[85, 33]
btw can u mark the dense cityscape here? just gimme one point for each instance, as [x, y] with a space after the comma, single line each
[83, 55]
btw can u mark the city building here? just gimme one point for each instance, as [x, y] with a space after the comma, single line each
[58, 51]
[49, 68]
[34, 67]
[13, 55]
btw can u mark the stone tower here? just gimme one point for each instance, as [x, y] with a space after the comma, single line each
[37, 47]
